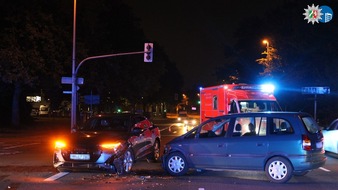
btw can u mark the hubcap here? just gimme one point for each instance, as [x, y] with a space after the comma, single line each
[277, 170]
[127, 161]
[176, 164]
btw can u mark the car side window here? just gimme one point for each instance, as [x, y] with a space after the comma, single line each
[140, 121]
[281, 127]
[214, 128]
[333, 126]
[249, 126]
[192, 134]
[233, 107]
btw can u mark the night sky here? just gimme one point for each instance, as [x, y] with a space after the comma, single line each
[194, 33]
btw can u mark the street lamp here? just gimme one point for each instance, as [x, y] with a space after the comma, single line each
[266, 42]
[267, 45]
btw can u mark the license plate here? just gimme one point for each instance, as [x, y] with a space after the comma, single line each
[80, 156]
[319, 144]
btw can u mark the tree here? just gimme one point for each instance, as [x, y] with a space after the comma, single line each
[35, 50]
[31, 49]
[110, 27]
[307, 52]
[271, 62]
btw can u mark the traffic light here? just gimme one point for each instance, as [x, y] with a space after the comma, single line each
[148, 52]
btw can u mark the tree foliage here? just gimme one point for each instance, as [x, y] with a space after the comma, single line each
[36, 44]
[271, 62]
[31, 48]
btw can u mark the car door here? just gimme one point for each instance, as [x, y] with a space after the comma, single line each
[331, 137]
[247, 146]
[143, 140]
[208, 148]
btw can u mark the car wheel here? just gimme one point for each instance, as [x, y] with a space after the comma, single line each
[128, 161]
[155, 156]
[176, 164]
[278, 170]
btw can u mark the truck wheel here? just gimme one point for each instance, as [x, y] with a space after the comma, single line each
[278, 170]
[176, 164]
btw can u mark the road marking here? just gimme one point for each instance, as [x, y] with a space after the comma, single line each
[324, 169]
[9, 153]
[56, 176]
[17, 146]
[164, 129]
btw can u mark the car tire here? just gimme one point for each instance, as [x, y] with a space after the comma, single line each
[155, 155]
[176, 164]
[278, 170]
[128, 161]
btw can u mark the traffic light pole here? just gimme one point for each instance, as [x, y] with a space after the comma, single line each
[74, 82]
[147, 58]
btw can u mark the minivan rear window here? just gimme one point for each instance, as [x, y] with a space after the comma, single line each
[310, 124]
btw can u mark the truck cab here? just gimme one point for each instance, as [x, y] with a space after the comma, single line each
[236, 98]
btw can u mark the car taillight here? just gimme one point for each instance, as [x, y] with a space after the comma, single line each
[306, 142]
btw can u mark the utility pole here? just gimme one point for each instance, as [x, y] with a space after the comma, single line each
[74, 98]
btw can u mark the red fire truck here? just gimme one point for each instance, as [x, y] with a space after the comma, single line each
[236, 98]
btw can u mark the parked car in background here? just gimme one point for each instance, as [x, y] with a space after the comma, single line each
[331, 137]
[282, 144]
[110, 142]
[44, 110]
[184, 123]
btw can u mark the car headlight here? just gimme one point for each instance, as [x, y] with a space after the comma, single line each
[60, 144]
[178, 119]
[110, 146]
[194, 122]
[185, 122]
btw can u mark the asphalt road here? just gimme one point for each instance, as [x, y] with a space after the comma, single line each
[26, 163]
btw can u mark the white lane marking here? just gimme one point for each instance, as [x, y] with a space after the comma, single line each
[22, 145]
[9, 153]
[164, 129]
[56, 176]
[167, 128]
[324, 169]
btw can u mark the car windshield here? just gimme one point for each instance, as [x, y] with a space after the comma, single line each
[258, 106]
[310, 124]
[106, 124]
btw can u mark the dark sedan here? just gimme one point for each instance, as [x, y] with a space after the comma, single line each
[110, 142]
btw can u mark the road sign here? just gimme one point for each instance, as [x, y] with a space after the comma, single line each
[68, 80]
[92, 99]
[67, 92]
[316, 90]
